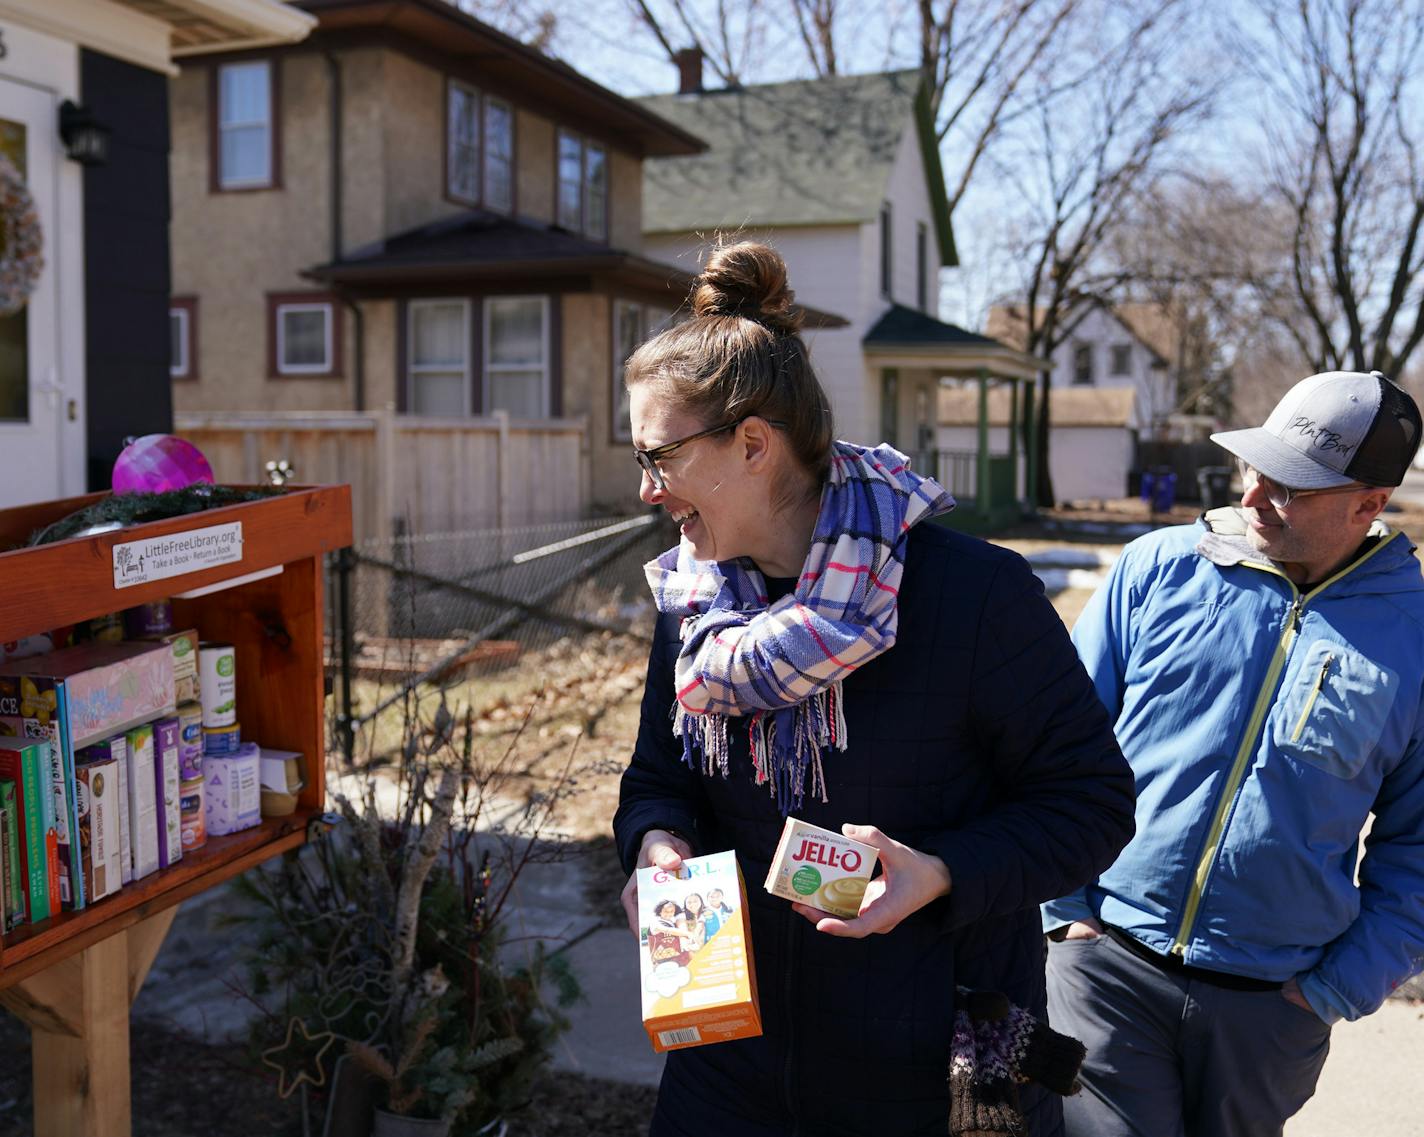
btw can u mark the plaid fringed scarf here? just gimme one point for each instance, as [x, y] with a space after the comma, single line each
[781, 666]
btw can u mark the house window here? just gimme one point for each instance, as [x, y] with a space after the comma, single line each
[886, 232]
[246, 140]
[438, 362]
[1082, 363]
[499, 155]
[1122, 359]
[583, 186]
[462, 143]
[922, 266]
[517, 355]
[183, 337]
[632, 325]
[303, 334]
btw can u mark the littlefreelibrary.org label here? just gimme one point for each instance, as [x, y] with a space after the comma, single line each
[157, 558]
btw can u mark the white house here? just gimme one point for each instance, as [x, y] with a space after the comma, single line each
[84, 131]
[842, 176]
[1131, 345]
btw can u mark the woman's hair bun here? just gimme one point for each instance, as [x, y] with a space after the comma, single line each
[747, 279]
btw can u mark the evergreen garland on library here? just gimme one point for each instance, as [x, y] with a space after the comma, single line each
[133, 508]
[22, 250]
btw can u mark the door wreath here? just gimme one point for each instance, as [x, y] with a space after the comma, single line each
[21, 254]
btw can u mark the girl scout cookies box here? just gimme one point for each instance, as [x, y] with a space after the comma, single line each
[695, 950]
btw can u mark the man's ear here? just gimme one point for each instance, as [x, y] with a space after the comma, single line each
[1372, 504]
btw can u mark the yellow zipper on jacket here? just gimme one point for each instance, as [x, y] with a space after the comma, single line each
[1248, 740]
[1310, 702]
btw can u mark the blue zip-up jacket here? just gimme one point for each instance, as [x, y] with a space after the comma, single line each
[1263, 726]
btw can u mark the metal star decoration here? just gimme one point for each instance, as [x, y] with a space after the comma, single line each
[302, 1064]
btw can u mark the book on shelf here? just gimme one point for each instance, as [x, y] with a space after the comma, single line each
[26, 768]
[81, 695]
[12, 884]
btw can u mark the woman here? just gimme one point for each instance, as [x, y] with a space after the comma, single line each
[695, 912]
[826, 650]
[667, 937]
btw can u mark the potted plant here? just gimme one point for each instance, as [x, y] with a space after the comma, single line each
[387, 936]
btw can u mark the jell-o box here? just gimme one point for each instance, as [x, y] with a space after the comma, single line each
[821, 868]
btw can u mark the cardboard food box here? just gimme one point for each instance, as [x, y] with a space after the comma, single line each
[97, 783]
[698, 980]
[141, 784]
[821, 868]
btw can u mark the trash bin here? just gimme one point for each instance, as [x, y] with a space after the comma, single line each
[1147, 479]
[1164, 490]
[1215, 485]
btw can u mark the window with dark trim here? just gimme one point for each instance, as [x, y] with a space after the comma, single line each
[499, 155]
[886, 262]
[245, 117]
[183, 337]
[462, 142]
[1121, 359]
[1082, 364]
[582, 168]
[633, 324]
[303, 335]
[922, 266]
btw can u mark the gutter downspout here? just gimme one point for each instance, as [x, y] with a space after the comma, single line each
[358, 323]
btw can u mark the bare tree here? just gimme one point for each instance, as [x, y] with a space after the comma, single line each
[816, 24]
[535, 24]
[1342, 137]
[1090, 153]
[729, 33]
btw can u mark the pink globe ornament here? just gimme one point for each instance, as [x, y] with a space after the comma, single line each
[157, 463]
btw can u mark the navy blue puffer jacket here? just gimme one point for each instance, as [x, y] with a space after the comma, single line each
[978, 738]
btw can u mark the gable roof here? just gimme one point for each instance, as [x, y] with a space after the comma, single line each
[1151, 325]
[500, 64]
[1067, 406]
[902, 326]
[806, 152]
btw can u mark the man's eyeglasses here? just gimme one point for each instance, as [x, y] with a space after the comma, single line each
[649, 459]
[1281, 496]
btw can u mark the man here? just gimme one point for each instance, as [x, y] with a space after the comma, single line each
[1264, 670]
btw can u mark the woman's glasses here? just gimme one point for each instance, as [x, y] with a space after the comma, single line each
[1281, 496]
[649, 459]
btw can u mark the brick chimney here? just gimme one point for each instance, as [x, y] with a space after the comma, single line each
[689, 70]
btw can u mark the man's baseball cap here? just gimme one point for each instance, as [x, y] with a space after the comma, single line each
[1332, 429]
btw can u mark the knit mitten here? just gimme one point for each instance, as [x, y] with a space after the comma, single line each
[996, 1046]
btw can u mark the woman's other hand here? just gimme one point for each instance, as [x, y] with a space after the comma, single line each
[908, 881]
[660, 848]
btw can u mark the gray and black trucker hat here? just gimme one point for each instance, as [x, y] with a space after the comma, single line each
[1332, 429]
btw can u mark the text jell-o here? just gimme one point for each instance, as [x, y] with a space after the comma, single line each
[821, 868]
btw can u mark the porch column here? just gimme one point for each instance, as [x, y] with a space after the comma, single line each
[1014, 435]
[981, 478]
[1031, 445]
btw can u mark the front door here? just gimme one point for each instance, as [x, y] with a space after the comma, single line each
[31, 405]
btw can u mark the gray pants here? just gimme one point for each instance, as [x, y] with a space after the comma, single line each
[1170, 1056]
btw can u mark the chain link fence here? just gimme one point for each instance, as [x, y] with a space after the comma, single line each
[415, 609]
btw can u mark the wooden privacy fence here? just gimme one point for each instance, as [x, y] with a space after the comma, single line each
[427, 475]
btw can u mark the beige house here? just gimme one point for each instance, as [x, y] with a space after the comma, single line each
[413, 215]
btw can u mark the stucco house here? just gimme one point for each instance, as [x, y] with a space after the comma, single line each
[84, 128]
[843, 176]
[411, 212]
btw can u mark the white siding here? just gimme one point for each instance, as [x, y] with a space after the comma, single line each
[1099, 332]
[1087, 462]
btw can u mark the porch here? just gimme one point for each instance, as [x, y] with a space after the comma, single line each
[913, 352]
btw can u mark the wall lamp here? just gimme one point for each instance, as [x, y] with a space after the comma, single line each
[86, 140]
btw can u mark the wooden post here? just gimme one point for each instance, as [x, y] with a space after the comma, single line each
[78, 1015]
[501, 473]
[1014, 437]
[1030, 497]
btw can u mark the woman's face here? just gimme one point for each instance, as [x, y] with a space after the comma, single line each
[708, 493]
[694, 904]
